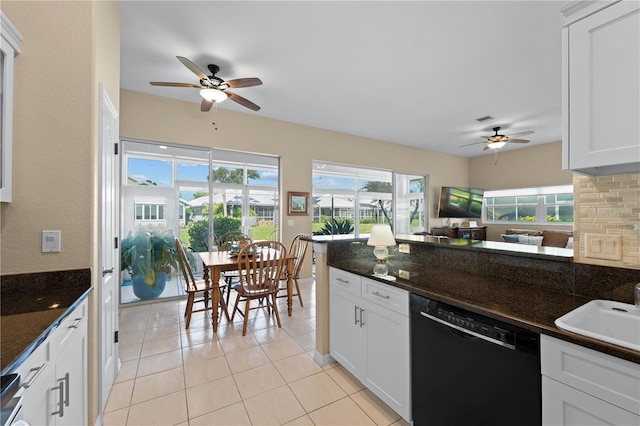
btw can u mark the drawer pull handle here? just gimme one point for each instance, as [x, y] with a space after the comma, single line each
[38, 371]
[361, 321]
[77, 323]
[342, 280]
[107, 272]
[355, 315]
[375, 293]
[60, 388]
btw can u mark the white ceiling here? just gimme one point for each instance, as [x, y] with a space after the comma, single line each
[415, 73]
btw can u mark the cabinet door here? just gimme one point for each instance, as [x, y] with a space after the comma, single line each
[346, 331]
[71, 371]
[387, 368]
[36, 405]
[566, 406]
[604, 88]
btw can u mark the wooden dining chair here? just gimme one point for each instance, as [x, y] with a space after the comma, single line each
[298, 249]
[195, 288]
[260, 266]
[224, 243]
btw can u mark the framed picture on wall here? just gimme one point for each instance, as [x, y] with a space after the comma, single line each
[298, 203]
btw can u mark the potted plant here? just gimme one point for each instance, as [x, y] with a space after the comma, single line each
[149, 257]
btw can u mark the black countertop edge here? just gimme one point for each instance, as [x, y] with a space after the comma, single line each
[511, 249]
[563, 303]
[13, 365]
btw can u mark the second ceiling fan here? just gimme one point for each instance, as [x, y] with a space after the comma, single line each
[498, 141]
[214, 89]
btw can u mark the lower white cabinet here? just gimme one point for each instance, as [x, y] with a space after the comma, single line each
[582, 387]
[369, 336]
[54, 377]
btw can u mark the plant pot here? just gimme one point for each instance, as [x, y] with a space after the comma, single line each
[144, 291]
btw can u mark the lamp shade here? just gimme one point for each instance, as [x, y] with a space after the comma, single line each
[381, 235]
[249, 221]
[496, 145]
[213, 95]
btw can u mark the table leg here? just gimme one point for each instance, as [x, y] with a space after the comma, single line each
[213, 281]
[290, 267]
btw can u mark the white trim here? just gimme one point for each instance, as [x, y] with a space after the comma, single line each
[322, 360]
[543, 190]
[10, 33]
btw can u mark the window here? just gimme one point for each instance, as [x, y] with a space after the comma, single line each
[541, 206]
[149, 212]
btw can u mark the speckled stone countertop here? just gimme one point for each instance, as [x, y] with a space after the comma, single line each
[530, 291]
[31, 305]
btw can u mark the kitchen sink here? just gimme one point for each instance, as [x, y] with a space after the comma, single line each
[606, 320]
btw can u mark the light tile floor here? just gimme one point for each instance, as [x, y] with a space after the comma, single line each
[173, 376]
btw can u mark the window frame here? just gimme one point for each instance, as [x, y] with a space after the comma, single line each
[541, 204]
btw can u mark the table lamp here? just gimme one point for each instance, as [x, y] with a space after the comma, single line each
[381, 237]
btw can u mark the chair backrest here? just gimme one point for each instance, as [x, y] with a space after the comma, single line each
[299, 250]
[183, 261]
[260, 265]
[227, 240]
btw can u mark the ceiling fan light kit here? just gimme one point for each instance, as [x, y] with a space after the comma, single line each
[213, 95]
[496, 145]
[497, 141]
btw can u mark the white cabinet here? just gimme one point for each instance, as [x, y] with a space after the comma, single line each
[369, 336]
[601, 87]
[54, 377]
[581, 386]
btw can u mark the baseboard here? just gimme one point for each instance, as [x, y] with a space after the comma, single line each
[322, 360]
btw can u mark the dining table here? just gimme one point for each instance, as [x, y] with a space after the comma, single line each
[215, 263]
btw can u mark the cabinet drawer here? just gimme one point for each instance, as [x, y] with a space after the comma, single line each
[33, 368]
[345, 281]
[603, 376]
[386, 295]
[69, 326]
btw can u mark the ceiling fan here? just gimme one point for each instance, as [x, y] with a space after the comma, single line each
[214, 89]
[498, 141]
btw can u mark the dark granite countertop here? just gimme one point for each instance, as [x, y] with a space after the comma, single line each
[32, 305]
[532, 307]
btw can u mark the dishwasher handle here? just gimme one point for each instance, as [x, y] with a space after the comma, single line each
[468, 332]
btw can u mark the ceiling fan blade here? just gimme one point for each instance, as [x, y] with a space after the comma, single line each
[193, 67]
[469, 144]
[169, 84]
[242, 101]
[486, 148]
[206, 105]
[517, 140]
[243, 82]
[528, 132]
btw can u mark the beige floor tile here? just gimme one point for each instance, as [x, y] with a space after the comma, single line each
[206, 371]
[400, 422]
[238, 343]
[301, 421]
[248, 359]
[159, 384]
[131, 326]
[258, 380]
[330, 366]
[270, 334]
[128, 370]
[162, 321]
[295, 328]
[126, 339]
[274, 407]
[380, 412]
[282, 349]
[158, 333]
[130, 352]
[160, 362]
[261, 321]
[116, 418]
[166, 410]
[212, 396]
[297, 367]
[164, 344]
[316, 391]
[340, 413]
[134, 315]
[120, 396]
[228, 330]
[307, 341]
[233, 415]
[198, 353]
[197, 337]
[345, 380]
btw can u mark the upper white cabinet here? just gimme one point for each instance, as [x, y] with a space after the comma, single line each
[10, 40]
[601, 87]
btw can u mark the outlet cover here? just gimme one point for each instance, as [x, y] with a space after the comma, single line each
[404, 248]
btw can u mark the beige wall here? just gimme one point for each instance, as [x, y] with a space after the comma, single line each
[164, 120]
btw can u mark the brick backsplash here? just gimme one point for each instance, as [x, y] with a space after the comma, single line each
[608, 205]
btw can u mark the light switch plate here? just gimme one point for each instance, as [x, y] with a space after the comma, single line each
[404, 248]
[602, 246]
[50, 241]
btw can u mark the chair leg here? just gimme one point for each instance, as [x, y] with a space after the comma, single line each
[189, 309]
[274, 298]
[295, 280]
[246, 316]
[235, 308]
[229, 281]
[223, 306]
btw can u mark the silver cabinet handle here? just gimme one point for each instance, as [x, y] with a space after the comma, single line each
[38, 371]
[355, 315]
[66, 390]
[361, 321]
[60, 388]
[375, 293]
[77, 323]
[107, 272]
[342, 280]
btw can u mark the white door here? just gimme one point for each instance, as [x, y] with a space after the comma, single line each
[109, 253]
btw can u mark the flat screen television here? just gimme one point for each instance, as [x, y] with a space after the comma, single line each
[460, 202]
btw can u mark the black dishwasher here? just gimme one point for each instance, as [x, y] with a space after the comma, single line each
[468, 369]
